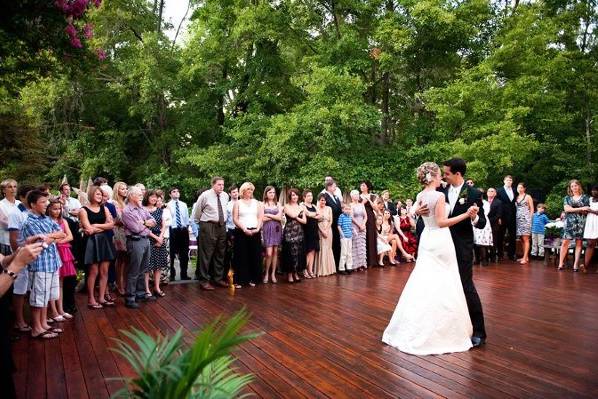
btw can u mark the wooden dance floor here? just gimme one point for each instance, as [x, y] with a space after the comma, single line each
[322, 339]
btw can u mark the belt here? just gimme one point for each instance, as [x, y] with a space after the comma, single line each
[212, 222]
[136, 238]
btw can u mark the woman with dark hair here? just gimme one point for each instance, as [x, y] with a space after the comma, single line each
[576, 206]
[158, 260]
[271, 232]
[404, 223]
[310, 232]
[96, 221]
[365, 187]
[525, 210]
[325, 264]
[293, 250]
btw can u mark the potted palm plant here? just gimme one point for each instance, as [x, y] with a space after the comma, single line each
[165, 369]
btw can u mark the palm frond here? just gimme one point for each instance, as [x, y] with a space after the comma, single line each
[165, 370]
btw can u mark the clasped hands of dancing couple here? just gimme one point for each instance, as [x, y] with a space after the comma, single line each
[439, 310]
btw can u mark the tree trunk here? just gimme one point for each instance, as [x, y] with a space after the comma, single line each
[159, 27]
[588, 122]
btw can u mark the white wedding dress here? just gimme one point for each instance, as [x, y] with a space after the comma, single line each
[431, 317]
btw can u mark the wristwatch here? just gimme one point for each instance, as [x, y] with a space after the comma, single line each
[10, 273]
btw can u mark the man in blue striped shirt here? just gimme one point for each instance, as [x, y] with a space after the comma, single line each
[43, 272]
[539, 221]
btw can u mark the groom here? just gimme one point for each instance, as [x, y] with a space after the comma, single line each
[462, 198]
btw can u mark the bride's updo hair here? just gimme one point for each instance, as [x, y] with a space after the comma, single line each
[426, 172]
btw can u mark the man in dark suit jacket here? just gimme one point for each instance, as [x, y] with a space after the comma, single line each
[335, 204]
[461, 197]
[507, 197]
[495, 217]
[388, 205]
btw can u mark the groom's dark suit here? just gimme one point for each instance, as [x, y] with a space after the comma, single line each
[462, 234]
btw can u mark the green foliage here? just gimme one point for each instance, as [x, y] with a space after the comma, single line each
[287, 92]
[166, 370]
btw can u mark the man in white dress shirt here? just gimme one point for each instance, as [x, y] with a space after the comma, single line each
[9, 204]
[70, 205]
[179, 234]
[210, 212]
[337, 191]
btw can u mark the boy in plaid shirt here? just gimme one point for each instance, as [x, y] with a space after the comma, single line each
[43, 272]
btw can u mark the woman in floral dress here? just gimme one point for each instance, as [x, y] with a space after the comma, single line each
[576, 205]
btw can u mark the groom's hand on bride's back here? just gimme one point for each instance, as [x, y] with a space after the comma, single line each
[422, 210]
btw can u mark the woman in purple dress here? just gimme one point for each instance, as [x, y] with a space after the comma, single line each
[271, 232]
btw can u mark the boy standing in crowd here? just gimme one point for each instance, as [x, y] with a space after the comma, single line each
[539, 221]
[43, 272]
[345, 228]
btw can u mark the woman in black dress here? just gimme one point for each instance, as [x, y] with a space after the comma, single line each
[159, 260]
[310, 232]
[365, 187]
[293, 239]
[96, 220]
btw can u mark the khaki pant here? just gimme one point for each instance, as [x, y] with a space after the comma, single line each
[346, 259]
[537, 244]
[211, 251]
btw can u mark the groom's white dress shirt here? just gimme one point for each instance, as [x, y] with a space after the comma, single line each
[453, 196]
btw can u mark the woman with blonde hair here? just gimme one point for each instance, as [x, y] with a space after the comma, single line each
[119, 196]
[576, 205]
[96, 220]
[248, 214]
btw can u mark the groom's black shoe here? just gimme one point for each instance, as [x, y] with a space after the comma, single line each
[478, 341]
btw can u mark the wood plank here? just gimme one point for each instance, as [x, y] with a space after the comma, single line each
[322, 339]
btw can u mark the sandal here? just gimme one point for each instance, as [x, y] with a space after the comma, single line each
[109, 298]
[25, 328]
[55, 330]
[274, 281]
[67, 316]
[60, 318]
[161, 294]
[107, 303]
[50, 320]
[94, 306]
[47, 334]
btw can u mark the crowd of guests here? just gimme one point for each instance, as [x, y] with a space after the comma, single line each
[126, 239]
[513, 214]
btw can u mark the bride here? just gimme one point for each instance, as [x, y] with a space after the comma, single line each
[431, 317]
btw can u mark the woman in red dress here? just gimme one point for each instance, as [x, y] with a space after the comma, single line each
[404, 224]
